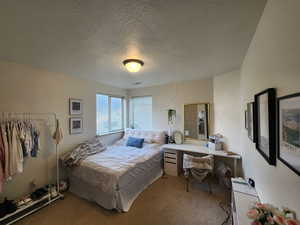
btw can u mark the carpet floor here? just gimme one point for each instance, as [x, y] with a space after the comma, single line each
[165, 202]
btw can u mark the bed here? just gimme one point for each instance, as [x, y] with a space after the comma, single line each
[115, 177]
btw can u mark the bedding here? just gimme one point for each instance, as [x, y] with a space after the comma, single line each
[115, 177]
[82, 151]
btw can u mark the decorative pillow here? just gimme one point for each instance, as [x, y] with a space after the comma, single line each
[149, 140]
[150, 136]
[135, 142]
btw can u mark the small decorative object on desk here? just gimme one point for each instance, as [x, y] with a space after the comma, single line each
[166, 139]
[266, 214]
[171, 140]
[178, 137]
[215, 143]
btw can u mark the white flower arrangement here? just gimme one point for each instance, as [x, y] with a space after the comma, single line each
[266, 214]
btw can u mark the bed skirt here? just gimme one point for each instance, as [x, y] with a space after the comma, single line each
[126, 191]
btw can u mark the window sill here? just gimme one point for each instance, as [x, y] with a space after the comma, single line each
[109, 133]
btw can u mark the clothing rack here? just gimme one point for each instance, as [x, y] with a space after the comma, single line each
[47, 199]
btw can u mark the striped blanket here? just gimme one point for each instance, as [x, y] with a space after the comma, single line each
[82, 151]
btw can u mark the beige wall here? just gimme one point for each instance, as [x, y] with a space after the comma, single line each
[26, 89]
[273, 61]
[227, 109]
[174, 96]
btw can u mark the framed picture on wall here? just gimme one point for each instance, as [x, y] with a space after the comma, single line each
[289, 131]
[75, 106]
[250, 120]
[265, 124]
[246, 119]
[76, 125]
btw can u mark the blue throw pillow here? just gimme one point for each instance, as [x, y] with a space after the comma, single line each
[135, 142]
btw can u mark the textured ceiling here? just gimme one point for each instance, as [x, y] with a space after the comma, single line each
[177, 39]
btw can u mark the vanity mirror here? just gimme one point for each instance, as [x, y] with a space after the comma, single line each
[196, 121]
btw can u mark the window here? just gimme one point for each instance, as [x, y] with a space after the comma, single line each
[141, 112]
[110, 113]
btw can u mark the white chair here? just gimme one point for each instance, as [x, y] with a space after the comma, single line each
[200, 168]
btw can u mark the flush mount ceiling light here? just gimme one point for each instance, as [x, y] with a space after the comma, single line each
[137, 83]
[133, 65]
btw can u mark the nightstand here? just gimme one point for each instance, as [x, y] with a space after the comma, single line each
[172, 162]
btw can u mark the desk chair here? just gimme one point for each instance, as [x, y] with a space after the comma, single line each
[199, 168]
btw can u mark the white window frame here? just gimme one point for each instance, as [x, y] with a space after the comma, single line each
[110, 131]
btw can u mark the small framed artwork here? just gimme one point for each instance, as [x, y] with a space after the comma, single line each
[76, 125]
[250, 117]
[289, 131]
[246, 119]
[265, 124]
[75, 106]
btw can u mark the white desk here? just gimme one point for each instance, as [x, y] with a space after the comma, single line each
[202, 150]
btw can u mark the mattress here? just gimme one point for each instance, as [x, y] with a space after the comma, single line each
[114, 178]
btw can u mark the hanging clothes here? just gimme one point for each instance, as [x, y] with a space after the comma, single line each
[25, 137]
[2, 162]
[35, 141]
[6, 152]
[58, 134]
[16, 149]
[21, 131]
[28, 138]
[9, 147]
[18, 140]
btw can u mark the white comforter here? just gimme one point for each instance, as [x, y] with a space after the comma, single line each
[120, 172]
[111, 164]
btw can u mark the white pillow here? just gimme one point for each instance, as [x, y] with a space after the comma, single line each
[150, 136]
[149, 140]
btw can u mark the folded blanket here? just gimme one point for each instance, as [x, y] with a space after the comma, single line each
[87, 148]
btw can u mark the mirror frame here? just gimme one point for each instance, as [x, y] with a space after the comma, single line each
[208, 120]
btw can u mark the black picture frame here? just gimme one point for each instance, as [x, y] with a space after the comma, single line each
[251, 121]
[265, 124]
[286, 148]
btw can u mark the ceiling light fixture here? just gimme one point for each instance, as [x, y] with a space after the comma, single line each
[133, 65]
[137, 83]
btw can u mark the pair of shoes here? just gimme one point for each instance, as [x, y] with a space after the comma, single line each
[38, 193]
[7, 207]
